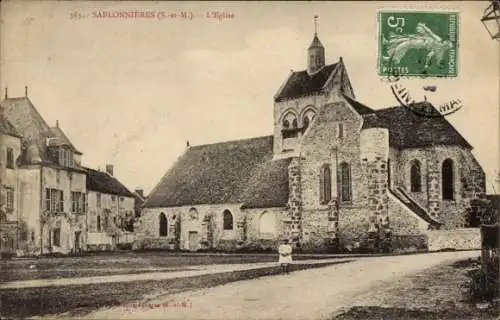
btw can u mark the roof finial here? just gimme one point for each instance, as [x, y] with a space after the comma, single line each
[57, 123]
[26, 91]
[6, 90]
[316, 24]
[187, 143]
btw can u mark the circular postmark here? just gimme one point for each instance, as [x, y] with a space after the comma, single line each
[416, 100]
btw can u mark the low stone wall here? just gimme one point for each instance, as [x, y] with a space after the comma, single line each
[459, 239]
[153, 243]
[409, 243]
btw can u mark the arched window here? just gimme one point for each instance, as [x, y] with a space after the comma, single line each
[266, 226]
[228, 220]
[308, 117]
[325, 184]
[193, 214]
[447, 177]
[415, 177]
[345, 182]
[163, 225]
[306, 122]
[289, 123]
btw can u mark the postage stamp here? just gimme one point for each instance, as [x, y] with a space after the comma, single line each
[418, 43]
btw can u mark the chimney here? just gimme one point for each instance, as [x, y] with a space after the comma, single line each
[57, 123]
[6, 93]
[26, 91]
[140, 192]
[109, 169]
[187, 144]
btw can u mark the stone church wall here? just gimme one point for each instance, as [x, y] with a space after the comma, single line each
[323, 145]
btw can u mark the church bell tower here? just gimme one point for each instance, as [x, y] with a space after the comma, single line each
[316, 52]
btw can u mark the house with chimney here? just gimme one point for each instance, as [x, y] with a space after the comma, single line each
[43, 181]
[334, 173]
[111, 211]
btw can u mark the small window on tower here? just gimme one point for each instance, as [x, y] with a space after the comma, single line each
[340, 130]
[306, 122]
[294, 123]
[286, 124]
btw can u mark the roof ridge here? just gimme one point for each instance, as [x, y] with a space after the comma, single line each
[230, 141]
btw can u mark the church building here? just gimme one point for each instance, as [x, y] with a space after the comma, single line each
[333, 174]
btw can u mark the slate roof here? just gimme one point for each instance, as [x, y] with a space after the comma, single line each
[316, 43]
[410, 130]
[239, 171]
[103, 182]
[7, 128]
[300, 83]
[61, 139]
[358, 106]
[23, 115]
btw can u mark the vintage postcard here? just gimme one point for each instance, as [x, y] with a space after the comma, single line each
[249, 160]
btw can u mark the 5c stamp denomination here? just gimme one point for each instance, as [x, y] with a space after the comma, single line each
[417, 43]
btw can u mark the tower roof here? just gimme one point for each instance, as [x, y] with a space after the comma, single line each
[316, 43]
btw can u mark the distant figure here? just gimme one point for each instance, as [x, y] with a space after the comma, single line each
[285, 258]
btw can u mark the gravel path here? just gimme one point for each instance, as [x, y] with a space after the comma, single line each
[309, 294]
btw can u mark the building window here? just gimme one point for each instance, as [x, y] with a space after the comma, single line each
[56, 237]
[415, 177]
[114, 221]
[447, 176]
[9, 198]
[113, 199]
[98, 197]
[306, 123]
[163, 225]
[77, 202]
[10, 158]
[325, 184]
[61, 201]
[193, 214]
[98, 223]
[228, 220]
[54, 200]
[307, 118]
[389, 173]
[345, 182]
[289, 126]
[65, 157]
[340, 130]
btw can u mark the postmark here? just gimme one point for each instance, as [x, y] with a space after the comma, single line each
[418, 43]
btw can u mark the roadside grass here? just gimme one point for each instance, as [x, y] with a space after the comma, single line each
[78, 300]
[436, 293]
[114, 263]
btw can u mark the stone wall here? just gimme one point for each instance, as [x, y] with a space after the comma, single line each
[459, 239]
[469, 181]
[323, 145]
[206, 226]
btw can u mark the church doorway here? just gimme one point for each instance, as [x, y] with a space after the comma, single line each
[193, 240]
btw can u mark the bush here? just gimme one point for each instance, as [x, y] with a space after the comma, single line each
[484, 282]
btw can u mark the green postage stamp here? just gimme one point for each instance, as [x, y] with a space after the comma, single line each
[417, 43]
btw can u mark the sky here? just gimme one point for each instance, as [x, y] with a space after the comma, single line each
[131, 92]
